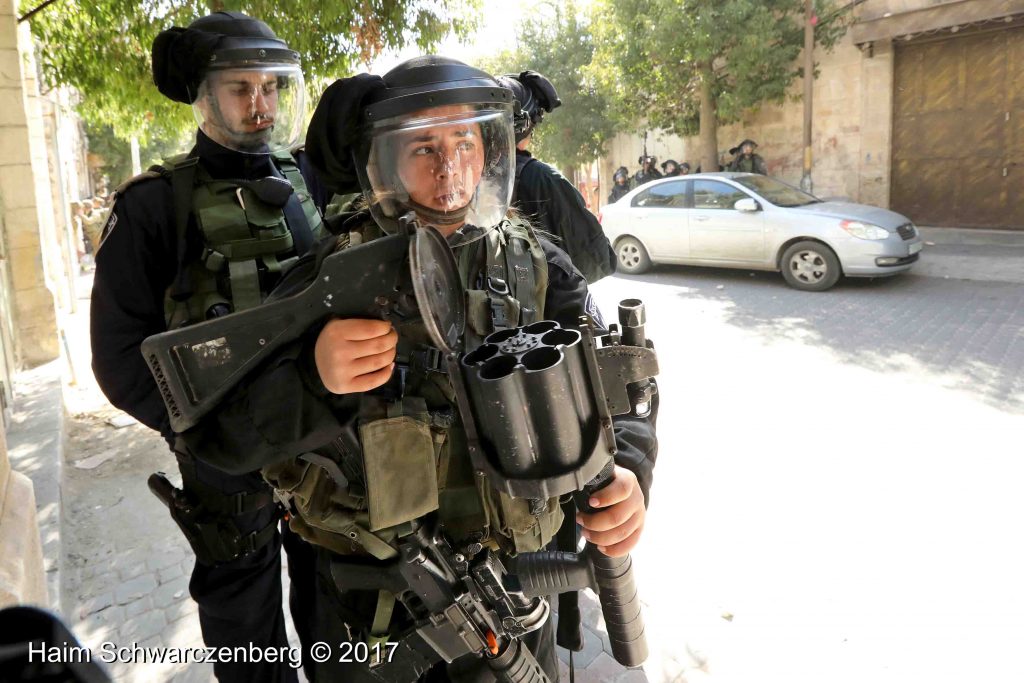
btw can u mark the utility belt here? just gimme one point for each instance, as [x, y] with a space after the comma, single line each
[213, 521]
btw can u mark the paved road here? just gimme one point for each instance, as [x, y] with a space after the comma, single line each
[838, 482]
[834, 501]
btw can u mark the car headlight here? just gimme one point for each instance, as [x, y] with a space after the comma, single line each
[864, 231]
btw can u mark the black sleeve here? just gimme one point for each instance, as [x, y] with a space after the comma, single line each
[281, 409]
[134, 267]
[320, 194]
[567, 299]
[551, 201]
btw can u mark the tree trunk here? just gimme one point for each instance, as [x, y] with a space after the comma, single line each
[708, 122]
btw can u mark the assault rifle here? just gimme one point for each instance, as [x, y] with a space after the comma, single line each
[536, 402]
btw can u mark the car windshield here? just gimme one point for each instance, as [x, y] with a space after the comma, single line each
[777, 192]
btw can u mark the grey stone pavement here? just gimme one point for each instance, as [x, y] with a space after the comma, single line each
[834, 492]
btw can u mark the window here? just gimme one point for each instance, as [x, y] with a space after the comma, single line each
[777, 192]
[663, 196]
[712, 194]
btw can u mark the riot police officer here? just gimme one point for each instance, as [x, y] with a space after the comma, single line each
[746, 159]
[647, 172]
[621, 185]
[206, 233]
[670, 168]
[374, 406]
[543, 194]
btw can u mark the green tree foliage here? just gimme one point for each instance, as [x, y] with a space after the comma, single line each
[689, 65]
[557, 42]
[102, 47]
[112, 156]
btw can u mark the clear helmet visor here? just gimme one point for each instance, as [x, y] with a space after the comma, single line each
[252, 108]
[453, 165]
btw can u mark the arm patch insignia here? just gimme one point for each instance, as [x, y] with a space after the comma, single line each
[594, 312]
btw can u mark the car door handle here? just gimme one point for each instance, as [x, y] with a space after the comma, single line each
[700, 218]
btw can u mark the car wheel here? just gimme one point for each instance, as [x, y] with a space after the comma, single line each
[810, 266]
[632, 256]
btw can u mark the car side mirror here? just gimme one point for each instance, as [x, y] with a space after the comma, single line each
[747, 205]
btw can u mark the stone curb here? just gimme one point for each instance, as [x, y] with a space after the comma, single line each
[36, 442]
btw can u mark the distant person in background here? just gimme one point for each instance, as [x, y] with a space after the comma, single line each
[93, 220]
[544, 195]
[746, 160]
[684, 168]
[620, 186]
[78, 226]
[670, 168]
[647, 171]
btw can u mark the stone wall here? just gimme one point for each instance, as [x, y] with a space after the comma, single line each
[28, 331]
[850, 139]
[22, 580]
[26, 207]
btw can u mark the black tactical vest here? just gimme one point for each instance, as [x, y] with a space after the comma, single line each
[408, 456]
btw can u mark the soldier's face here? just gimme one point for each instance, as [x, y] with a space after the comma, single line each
[441, 165]
[239, 107]
[748, 149]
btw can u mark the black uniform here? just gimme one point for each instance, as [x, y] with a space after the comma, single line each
[552, 204]
[748, 163]
[239, 601]
[642, 177]
[618, 192]
[253, 428]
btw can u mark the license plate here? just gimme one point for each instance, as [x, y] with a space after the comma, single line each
[914, 248]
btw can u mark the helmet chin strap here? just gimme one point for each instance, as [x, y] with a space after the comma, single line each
[438, 217]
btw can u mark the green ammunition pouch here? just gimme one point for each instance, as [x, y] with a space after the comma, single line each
[246, 241]
[410, 456]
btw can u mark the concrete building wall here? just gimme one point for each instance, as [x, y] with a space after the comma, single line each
[62, 259]
[27, 316]
[851, 134]
[26, 206]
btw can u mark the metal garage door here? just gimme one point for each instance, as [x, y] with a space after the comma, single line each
[958, 131]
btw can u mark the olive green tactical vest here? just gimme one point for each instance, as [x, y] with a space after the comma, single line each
[411, 458]
[245, 241]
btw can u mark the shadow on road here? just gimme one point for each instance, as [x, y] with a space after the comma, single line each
[970, 334]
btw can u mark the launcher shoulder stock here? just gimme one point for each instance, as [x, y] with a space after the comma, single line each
[195, 367]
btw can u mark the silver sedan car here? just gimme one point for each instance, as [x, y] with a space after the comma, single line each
[743, 220]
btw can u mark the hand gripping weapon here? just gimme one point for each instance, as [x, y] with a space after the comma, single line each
[537, 404]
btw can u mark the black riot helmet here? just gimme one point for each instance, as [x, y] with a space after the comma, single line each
[647, 162]
[739, 147]
[243, 82]
[435, 137]
[535, 96]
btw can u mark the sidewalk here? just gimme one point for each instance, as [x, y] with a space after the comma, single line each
[960, 254]
[118, 567]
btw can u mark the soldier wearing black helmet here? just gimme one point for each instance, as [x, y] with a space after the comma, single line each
[434, 137]
[543, 194]
[670, 168]
[621, 186]
[648, 171]
[205, 233]
[746, 160]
